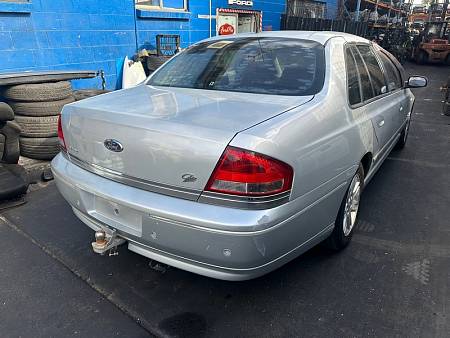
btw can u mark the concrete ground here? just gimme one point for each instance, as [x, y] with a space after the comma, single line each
[393, 280]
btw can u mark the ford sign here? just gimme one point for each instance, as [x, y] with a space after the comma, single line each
[241, 2]
[113, 145]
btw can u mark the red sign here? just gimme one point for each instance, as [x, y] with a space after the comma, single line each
[226, 29]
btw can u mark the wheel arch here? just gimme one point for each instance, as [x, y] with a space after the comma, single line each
[366, 162]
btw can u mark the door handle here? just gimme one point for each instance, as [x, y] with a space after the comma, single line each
[380, 122]
[401, 108]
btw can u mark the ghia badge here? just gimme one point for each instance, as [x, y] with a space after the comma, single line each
[189, 178]
[113, 145]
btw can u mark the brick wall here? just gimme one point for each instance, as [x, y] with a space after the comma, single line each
[93, 34]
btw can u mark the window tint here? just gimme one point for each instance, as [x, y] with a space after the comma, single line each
[354, 94]
[376, 75]
[366, 86]
[398, 66]
[391, 72]
[253, 65]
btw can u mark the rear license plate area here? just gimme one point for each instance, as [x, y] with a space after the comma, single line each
[118, 216]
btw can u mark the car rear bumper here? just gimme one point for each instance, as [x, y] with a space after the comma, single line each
[211, 240]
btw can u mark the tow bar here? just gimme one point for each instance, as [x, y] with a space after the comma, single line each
[107, 240]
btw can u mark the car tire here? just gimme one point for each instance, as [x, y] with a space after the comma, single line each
[38, 92]
[343, 231]
[40, 108]
[39, 148]
[401, 143]
[38, 126]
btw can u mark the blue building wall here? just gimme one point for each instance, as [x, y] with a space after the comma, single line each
[192, 28]
[66, 34]
[332, 9]
[93, 34]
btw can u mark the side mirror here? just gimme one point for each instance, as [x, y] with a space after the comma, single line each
[416, 82]
[6, 113]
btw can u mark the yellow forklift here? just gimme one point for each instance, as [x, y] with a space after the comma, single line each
[432, 45]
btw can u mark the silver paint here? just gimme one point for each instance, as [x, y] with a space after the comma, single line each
[168, 132]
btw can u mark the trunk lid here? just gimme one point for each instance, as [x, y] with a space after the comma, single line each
[171, 137]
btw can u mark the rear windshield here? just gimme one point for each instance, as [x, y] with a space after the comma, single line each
[255, 65]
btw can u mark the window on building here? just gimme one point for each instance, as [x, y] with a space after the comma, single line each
[376, 75]
[392, 74]
[162, 4]
[306, 8]
[354, 90]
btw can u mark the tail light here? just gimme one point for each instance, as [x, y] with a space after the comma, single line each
[62, 142]
[246, 173]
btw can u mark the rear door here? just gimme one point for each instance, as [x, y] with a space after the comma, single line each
[396, 88]
[382, 108]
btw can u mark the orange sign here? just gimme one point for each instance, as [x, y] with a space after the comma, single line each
[226, 29]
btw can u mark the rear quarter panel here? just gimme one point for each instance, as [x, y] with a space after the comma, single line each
[323, 140]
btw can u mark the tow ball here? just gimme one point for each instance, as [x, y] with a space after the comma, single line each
[106, 240]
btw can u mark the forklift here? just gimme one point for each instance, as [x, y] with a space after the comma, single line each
[432, 45]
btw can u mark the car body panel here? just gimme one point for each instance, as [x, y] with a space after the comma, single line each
[166, 133]
[321, 137]
[199, 234]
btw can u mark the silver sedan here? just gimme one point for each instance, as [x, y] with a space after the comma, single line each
[239, 154]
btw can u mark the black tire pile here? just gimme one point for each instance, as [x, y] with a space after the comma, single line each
[36, 108]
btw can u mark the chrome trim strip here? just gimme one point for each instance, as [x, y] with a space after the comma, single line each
[243, 202]
[240, 202]
[159, 188]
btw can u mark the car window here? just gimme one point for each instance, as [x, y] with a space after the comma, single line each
[366, 85]
[256, 65]
[354, 90]
[376, 75]
[398, 65]
[392, 74]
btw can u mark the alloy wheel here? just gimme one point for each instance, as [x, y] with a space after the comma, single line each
[352, 205]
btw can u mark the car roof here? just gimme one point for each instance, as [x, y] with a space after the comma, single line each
[319, 36]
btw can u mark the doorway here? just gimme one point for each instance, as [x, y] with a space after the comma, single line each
[234, 21]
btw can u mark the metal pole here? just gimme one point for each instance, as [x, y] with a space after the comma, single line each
[444, 9]
[358, 7]
[376, 11]
[210, 18]
[389, 14]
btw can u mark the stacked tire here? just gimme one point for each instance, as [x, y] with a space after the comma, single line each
[36, 108]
